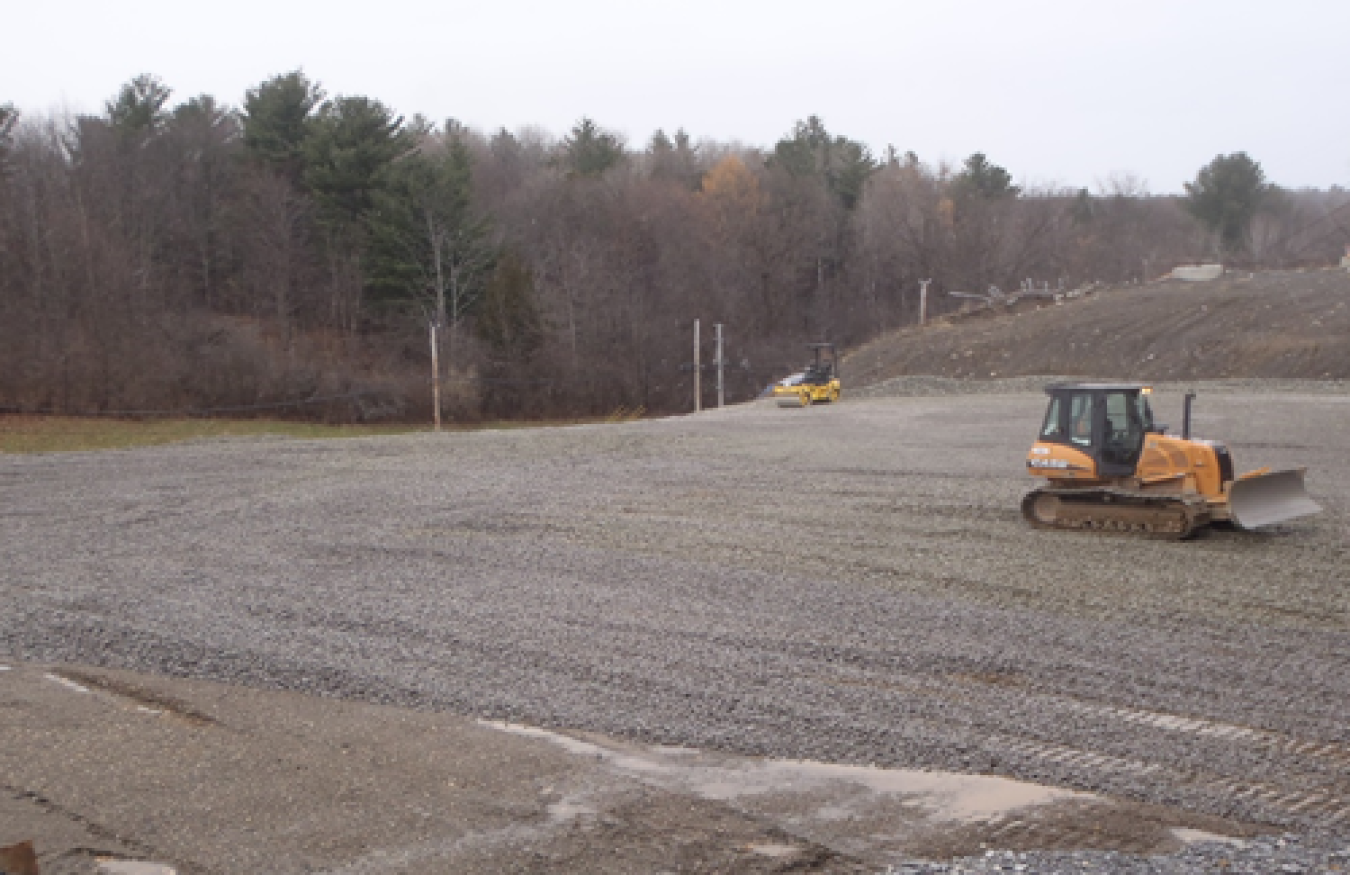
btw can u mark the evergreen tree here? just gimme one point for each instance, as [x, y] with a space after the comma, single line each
[505, 146]
[810, 150]
[203, 137]
[660, 144]
[139, 106]
[9, 120]
[1083, 209]
[982, 178]
[854, 165]
[1225, 196]
[276, 121]
[200, 111]
[589, 150]
[428, 246]
[351, 145]
[675, 159]
[508, 319]
[806, 151]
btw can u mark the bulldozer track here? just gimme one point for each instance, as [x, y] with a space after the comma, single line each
[1321, 806]
[1329, 752]
[1305, 781]
[1313, 787]
[1013, 830]
[1312, 790]
[1113, 510]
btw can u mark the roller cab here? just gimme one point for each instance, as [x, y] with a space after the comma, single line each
[819, 383]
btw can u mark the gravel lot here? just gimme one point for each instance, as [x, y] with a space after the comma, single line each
[851, 584]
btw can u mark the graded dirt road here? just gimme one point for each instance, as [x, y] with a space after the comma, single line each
[848, 584]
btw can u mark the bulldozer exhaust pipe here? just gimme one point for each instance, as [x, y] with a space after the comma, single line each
[1186, 416]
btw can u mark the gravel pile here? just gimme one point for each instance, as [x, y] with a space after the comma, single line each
[851, 584]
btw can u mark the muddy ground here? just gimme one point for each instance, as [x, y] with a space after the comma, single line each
[847, 585]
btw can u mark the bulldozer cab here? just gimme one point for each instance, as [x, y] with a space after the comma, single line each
[1107, 421]
[823, 369]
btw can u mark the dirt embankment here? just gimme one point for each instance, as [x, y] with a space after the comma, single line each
[1287, 324]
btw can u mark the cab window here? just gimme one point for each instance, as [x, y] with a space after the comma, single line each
[1124, 428]
[1080, 420]
[1052, 430]
[1117, 414]
[1145, 411]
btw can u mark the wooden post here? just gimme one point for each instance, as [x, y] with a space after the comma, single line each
[698, 389]
[721, 397]
[923, 301]
[435, 377]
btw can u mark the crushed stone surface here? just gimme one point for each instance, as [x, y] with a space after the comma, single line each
[851, 584]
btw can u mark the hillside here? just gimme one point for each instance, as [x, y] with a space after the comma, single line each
[1286, 324]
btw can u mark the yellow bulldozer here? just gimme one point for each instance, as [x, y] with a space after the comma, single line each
[818, 383]
[1110, 467]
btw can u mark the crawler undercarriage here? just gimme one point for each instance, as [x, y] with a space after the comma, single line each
[1169, 517]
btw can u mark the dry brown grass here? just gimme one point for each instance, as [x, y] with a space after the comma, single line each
[21, 433]
[54, 434]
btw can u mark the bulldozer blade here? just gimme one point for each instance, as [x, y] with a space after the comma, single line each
[1267, 499]
[790, 401]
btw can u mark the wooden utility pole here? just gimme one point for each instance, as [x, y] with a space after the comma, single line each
[721, 398]
[698, 389]
[435, 376]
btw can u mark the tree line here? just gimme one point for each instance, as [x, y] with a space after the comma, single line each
[189, 255]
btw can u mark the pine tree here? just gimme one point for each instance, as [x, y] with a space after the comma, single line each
[509, 319]
[845, 165]
[428, 247]
[980, 177]
[139, 106]
[276, 121]
[1225, 196]
[9, 120]
[351, 144]
[589, 150]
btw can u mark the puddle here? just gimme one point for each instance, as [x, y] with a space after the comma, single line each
[819, 791]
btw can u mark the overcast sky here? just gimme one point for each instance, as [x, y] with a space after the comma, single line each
[1057, 91]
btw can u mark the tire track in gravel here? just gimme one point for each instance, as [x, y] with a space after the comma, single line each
[1311, 790]
[1287, 802]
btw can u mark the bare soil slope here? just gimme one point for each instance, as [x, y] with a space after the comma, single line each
[1288, 324]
